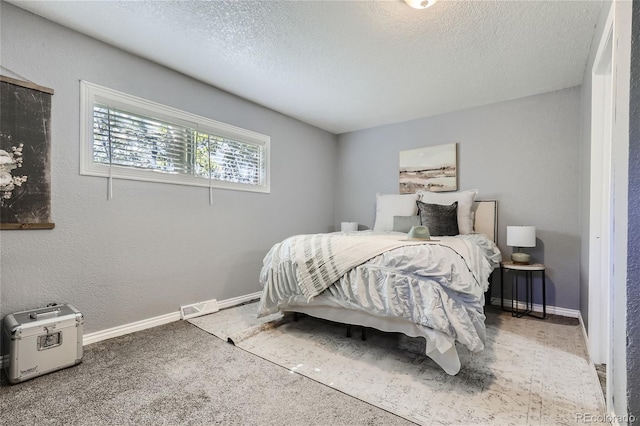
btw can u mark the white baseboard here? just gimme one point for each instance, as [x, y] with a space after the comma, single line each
[584, 334]
[121, 330]
[227, 303]
[603, 400]
[555, 310]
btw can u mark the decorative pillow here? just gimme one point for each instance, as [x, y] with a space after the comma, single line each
[465, 204]
[390, 205]
[441, 220]
[405, 223]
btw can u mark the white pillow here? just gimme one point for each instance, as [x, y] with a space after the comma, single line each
[465, 204]
[390, 205]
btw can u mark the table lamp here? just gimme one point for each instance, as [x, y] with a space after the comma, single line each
[521, 236]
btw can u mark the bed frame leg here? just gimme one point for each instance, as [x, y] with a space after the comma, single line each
[364, 335]
[348, 331]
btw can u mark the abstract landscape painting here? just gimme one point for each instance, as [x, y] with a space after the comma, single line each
[433, 168]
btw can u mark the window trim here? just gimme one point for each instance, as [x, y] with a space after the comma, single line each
[91, 93]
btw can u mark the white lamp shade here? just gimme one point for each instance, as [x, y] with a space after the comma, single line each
[521, 236]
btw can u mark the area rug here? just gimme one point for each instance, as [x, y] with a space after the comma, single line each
[531, 372]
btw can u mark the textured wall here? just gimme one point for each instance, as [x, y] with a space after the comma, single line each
[523, 153]
[633, 256]
[153, 247]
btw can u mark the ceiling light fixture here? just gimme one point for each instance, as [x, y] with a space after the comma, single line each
[420, 4]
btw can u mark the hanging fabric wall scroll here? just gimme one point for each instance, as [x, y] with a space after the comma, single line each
[25, 155]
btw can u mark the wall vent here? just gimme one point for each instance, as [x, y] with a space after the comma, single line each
[198, 309]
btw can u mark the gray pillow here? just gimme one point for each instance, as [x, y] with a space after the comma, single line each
[405, 223]
[441, 220]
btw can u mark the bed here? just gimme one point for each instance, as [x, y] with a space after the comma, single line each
[380, 279]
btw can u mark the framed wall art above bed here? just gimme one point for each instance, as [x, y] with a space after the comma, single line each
[433, 168]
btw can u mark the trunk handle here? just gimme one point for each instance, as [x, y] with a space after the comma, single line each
[50, 313]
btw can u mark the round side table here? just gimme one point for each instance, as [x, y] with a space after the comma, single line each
[528, 270]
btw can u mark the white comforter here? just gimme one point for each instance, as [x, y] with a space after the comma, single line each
[439, 285]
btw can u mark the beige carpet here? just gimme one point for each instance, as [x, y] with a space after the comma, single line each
[531, 371]
[178, 375]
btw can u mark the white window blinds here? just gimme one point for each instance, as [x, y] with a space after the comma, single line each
[132, 138]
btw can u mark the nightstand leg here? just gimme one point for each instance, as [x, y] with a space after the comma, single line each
[544, 296]
[526, 291]
[514, 300]
[501, 288]
[530, 298]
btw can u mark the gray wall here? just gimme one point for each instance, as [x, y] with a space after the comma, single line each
[523, 153]
[153, 247]
[633, 266]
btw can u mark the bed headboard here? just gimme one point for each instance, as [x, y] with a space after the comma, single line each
[486, 218]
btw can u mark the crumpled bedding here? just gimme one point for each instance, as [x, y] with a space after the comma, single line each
[439, 286]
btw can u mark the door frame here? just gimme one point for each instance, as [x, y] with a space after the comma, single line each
[601, 211]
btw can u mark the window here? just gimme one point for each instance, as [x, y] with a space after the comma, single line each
[131, 138]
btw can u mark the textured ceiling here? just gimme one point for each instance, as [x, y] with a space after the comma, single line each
[349, 65]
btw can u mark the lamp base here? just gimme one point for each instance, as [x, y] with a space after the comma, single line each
[521, 258]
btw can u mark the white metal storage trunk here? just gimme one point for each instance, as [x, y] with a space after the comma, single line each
[42, 340]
